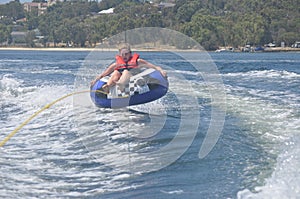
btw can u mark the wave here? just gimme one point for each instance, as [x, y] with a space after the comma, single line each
[273, 74]
[273, 118]
[48, 143]
[275, 128]
[53, 141]
[285, 179]
[8, 85]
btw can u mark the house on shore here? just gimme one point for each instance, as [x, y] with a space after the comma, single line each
[40, 7]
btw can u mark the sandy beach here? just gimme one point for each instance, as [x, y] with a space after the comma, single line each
[275, 49]
[49, 49]
[101, 49]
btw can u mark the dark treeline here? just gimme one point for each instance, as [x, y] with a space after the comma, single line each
[212, 23]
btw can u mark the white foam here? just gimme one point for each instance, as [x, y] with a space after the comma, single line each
[265, 74]
[285, 180]
[177, 192]
[277, 124]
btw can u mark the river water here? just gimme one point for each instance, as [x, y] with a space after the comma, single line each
[76, 150]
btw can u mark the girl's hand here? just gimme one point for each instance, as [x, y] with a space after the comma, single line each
[164, 73]
[95, 80]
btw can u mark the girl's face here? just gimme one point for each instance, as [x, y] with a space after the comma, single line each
[125, 54]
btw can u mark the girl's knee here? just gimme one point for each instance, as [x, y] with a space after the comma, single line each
[116, 75]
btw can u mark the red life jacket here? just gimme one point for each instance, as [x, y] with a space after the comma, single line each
[131, 63]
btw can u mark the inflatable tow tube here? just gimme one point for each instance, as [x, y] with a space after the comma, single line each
[146, 86]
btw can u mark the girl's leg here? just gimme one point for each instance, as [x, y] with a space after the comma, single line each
[111, 81]
[114, 78]
[124, 79]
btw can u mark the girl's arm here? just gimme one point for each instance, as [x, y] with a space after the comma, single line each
[108, 71]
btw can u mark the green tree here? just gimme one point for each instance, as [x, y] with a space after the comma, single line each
[185, 12]
[205, 29]
[32, 20]
[30, 36]
[14, 9]
[212, 23]
[106, 4]
[80, 35]
[4, 33]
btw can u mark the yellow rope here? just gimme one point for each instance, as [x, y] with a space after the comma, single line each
[41, 110]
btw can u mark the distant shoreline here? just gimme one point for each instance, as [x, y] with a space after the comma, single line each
[282, 49]
[274, 49]
[97, 49]
[46, 49]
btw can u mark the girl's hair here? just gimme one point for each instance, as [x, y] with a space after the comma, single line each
[124, 46]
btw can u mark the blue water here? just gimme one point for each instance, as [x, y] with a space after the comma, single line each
[75, 150]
